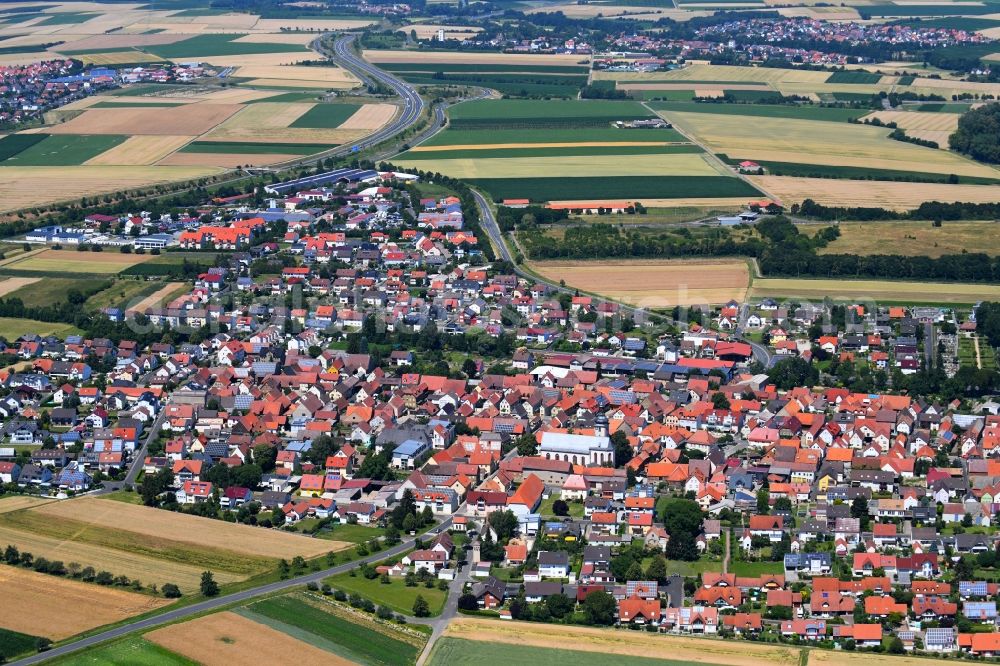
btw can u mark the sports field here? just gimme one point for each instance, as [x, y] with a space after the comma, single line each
[911, 238]
[653, 283]
[877, 290]
[40, 604]
[674, 649]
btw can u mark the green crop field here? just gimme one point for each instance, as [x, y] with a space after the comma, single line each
[906, 80]
[11, 329]
[326, 116]
[13, 643]
[446, 68]
[522, 85]
[54, 290]
[854, 76]
[363, 644]
[132, 651]
[12, 144]
[463, 137]
[64, 150]
[939, 107]
[663, 95]
[287, 97]
[395, 595]
[550, 151]
[498, 114]
[860, 173]
[955, 23]
[944, 9]
[630, 188]
[204, 46]
[831, 114]
[243, 148]
[461, 652]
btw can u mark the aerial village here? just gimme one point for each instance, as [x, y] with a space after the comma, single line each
[355, 349]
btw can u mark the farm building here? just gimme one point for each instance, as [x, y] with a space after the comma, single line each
[154, 241]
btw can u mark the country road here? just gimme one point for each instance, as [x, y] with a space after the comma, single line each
[219, 602]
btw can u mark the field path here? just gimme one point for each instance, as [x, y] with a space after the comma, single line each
[710, 155]
[979, 359]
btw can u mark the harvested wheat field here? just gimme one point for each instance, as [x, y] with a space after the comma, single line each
[448, 57]
[841, 658]
[21, 187]
[873, 193]
[265, 116]
[609, 641]
[16, 502]
[819, 142]
[120, 40]
[117, 58]
[232, 95]
[140, 150]
[158, 297]
[228, 160]
[918, 120]
[149, 570]
[653, 283]
[194, 119]
[57, 608]
[712, 92]
[665, 164]
[877, 290]
[430, 31]
[190, 529]
[226, 638]
[227, 132]
[370, 117]
[76, 262]
[285, 72]
[7, 286]
[317, 24]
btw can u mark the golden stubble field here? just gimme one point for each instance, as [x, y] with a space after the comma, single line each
[189, 529]
[470, 58]
[227, 638]
[665, 164]
[22, 187]
[653, 283]
[40, 604]
[140, 150]
[873, 193]
[819, 142]
[843, 289]
[192, 119]
[632, 643]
